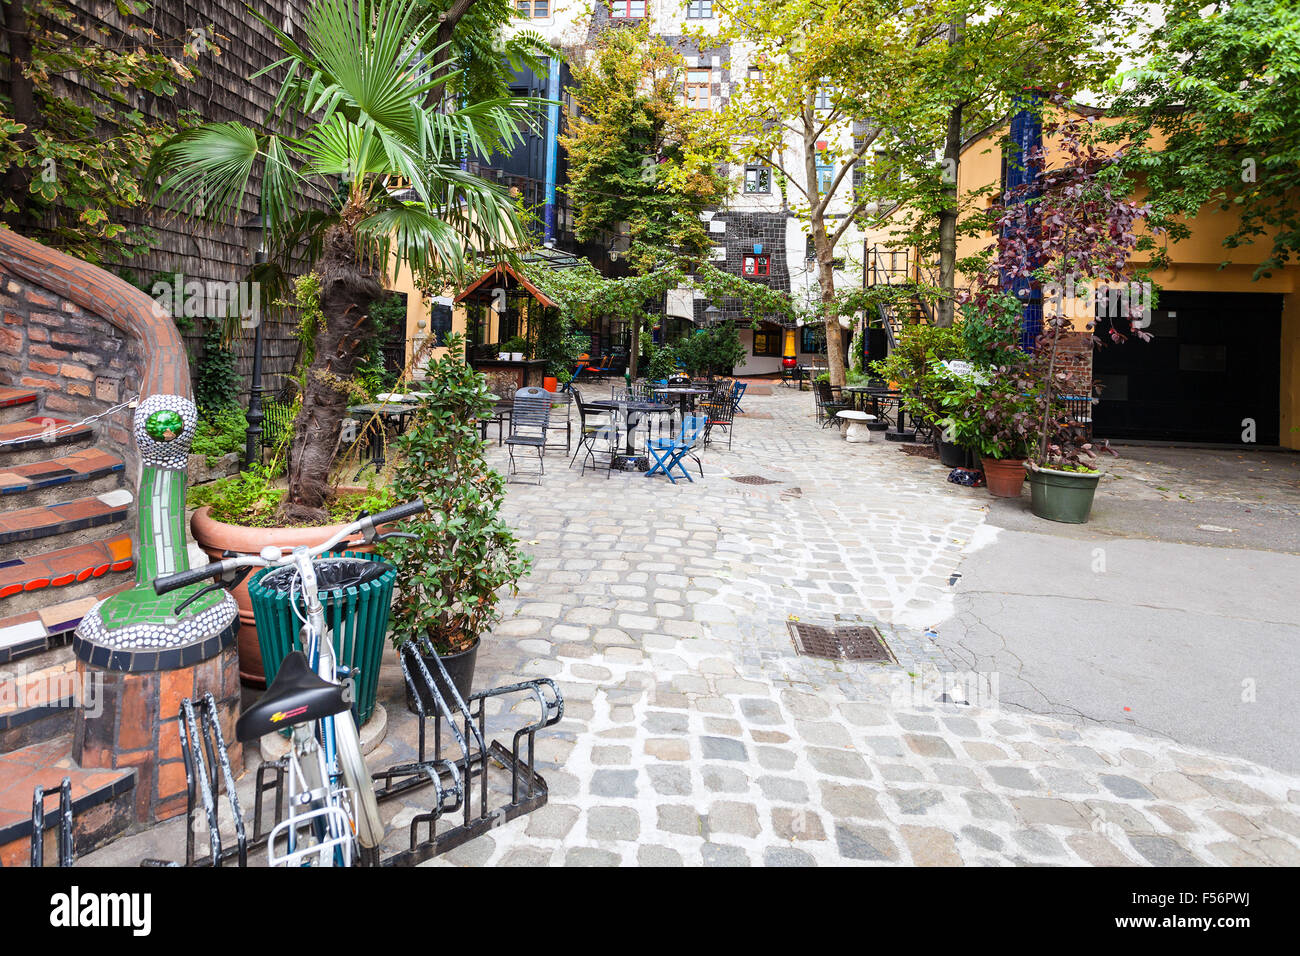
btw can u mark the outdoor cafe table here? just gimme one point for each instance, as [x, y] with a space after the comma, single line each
[876, 393]
[622, 408]
[683, 394]
[397, 412]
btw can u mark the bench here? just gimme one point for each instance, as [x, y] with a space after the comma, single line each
[856, 425]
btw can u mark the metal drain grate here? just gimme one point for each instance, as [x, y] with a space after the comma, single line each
[858, 642]
[755, 480]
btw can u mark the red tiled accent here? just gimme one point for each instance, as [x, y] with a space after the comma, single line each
[66, 565]
[33, 427]
[50, 519]
[16, 396]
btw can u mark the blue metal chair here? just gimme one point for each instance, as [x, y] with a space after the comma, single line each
[738, 394]
[669, 452]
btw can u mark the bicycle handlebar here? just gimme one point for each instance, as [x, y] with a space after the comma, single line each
[170, 582]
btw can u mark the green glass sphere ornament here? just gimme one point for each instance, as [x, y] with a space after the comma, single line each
[164, 425]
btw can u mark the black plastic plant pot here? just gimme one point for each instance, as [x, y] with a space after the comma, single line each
[1064, 496]
[460, 668]
[954, 456]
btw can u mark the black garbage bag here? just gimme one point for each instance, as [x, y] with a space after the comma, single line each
[332, 574]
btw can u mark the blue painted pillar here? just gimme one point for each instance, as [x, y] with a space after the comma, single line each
[552, 144]
[1026, 137]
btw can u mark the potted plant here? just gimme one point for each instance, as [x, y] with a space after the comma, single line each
[1069, 232]
[514, 349]
[451, 573]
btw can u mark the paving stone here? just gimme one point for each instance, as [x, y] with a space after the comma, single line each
[590, 856]
[619, 756]
[729, 816]
[668, 748]
[614, 783]
[613, 823]
[987, 806]
[1163, 851]
[787, 856]
[679, 818]
[666, 723]
[955, 775]
[552, 821]
[1175, 818]
[722, 748]
[1059, 780]
[783, 789]
[1097, 850]
[865, 843]
[1232, 790]
[655, 855]
[797, 823]
[983, 838]
[1125, 787]
[1050, 811]
[885, 746]
[719, 779]
[669, 780]
[530, 857]
[929, 746]
[715, 854]
[839, 763]
[1013, 778]
[931, 846]
[1039, 842]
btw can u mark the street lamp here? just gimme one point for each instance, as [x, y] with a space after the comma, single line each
[252, 229]
[711, 315]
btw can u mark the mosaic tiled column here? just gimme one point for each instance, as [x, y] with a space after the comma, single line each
[145, 655]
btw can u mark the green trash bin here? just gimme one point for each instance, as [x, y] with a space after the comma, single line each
[356, 614]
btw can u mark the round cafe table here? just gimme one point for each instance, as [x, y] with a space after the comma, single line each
[685, 394]
[625, 409]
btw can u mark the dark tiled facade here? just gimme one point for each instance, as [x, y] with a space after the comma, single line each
[744, 231]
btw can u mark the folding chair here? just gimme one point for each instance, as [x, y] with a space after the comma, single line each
[739, 394]
[669, 452]
[530, 416]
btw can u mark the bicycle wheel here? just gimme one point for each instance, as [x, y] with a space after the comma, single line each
[370, 829]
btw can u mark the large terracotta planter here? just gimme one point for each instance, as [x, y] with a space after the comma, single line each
[217, 537]
[1005, 477]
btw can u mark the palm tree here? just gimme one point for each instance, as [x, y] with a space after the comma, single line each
[368, 104]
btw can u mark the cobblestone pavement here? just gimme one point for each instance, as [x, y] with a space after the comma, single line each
[694, 734]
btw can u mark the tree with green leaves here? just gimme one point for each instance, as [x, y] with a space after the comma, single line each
[70, 165]
[370, 104]
[968, 66]
[641, 164]
[800, 110]
[1213, 118]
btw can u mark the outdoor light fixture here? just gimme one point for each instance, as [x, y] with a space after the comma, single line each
[711, 315]
[253, 229]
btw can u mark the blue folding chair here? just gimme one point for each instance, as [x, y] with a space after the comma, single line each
[669, 452]
[738, 394]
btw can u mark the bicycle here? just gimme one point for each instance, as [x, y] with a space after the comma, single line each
[332, 808]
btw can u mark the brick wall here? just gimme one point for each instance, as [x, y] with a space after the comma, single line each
[1074, 358]
[80, 363]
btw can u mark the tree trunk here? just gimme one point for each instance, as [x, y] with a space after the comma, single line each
[948, 214]
[347, 290]
[826, 280]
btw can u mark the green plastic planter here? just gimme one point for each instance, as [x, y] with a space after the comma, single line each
[357, 616]
[1064, 496]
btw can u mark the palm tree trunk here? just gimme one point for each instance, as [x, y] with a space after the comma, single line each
[347, 290]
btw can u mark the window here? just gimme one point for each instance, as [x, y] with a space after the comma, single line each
[758, 178]
[825, 176]
[767, 343]
[823, 98]
[811, 339]
[756, 265]
[440, 323]
[702, 10]
[627, 9]
[699, 87]
[534, 9]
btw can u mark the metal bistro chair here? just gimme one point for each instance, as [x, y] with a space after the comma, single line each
[669, 452]
[594, 426]
[739, 393]
[530, 417]
[828, 405]
[721, 412]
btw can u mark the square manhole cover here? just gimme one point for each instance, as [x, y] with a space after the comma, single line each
[847, 642]
[755, 480]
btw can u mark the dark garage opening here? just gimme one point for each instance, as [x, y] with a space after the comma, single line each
[1212, 364]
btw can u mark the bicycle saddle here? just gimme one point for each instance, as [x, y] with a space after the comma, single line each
[297, 695]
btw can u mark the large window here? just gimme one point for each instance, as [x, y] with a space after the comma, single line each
[756, 265]
[812, 339]
[699, 88]
[758, 178]
[701, 10]
[825, 176]
[825, 94]
[627, 9]
[767, 343]
[534, 9]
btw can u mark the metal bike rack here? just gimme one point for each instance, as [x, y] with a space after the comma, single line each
[460, 783]
[454, 780]
[204, 748]
[65, 824]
